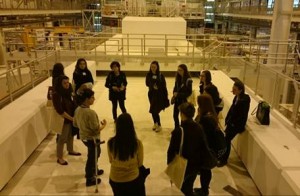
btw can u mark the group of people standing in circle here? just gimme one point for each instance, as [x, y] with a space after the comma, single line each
[125, 150]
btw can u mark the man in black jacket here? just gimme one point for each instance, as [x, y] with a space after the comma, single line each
[236, 117]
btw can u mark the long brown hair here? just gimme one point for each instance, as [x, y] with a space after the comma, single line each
[206, 106]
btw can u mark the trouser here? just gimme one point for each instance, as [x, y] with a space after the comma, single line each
[205, 178]
[176, 115]
[115, 106]
[134, 187]
[156, 118]
[90, 166]
[230, 133]
[65, 137]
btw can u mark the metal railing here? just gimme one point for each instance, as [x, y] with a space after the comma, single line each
[246, 59]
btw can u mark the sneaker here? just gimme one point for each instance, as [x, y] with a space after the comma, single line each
[158, 129]
[221, 163]
[91, 182]
[154, 126]
[200, 192]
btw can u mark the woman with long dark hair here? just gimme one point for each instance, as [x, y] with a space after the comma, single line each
[64, 106]
[207, 118]
[182, 89]
[206, 86]
[82, 75]
[157, 94]
[125, 152]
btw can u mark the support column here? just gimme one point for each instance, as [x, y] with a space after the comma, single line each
[2, 49]
[280, 31]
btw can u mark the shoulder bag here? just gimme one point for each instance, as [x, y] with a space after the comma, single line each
[176, 169]
[262, 111]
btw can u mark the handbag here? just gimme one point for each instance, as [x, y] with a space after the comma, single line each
[262, 111]
[49, 96]
[144, 172]
[176, 169]
[56, 121]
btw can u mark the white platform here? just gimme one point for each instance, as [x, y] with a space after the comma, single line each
[24, 125]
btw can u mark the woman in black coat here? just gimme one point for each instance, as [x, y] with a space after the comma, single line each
[236, 117]
[195, 147]
[182, 89]
[82, 74]
[206, 86]
[116, 82]
[157, 94]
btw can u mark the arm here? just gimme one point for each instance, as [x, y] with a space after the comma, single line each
[187, 91]
[174, 145]
[140, 153]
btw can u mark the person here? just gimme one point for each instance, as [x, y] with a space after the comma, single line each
[182, 89]
[236, 117]
[82, 75]
[157, 94]
[195, 148]
[206, 86]
[208, 119]
[64, 105]
[125, 153]
[116, 82]
[89, 126]
[58, 70]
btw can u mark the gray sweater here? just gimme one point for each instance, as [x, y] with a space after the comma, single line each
[88, 123]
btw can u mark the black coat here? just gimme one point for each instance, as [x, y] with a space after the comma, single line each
[183, 89]
[82, 76]
[158, 98]
[237, 115]
[118, 81]
[195, 147]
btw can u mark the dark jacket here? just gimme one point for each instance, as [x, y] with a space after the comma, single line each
[212, 90]
[195, 147]
[118, 81]
[82, 76]
[158, 98]
[63, 102]
[183, 90]
[237, 115]
[209, 125]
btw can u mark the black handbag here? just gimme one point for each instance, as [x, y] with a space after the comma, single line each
[219, 145]
[262, 112]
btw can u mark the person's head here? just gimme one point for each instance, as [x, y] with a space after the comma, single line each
[58, 70]
[182, 72]
[63, 85]
[205, 77]
[85, 96]
[238, 88]
[115, 66]
[81, 64]
[205, 104]
[187, 111]
[154, 67]
[124, 144]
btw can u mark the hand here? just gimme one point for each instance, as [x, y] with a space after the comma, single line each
[175, 94]
[103, 122]
[155, 87]
[115, 88]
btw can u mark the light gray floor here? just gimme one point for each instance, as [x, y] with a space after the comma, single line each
[41, 175]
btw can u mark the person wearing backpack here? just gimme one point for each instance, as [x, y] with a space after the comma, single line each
[208, 119]
[157, 94]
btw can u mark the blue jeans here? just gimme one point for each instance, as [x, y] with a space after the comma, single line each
[90, 163]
